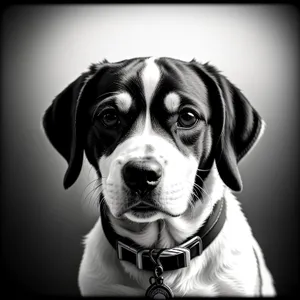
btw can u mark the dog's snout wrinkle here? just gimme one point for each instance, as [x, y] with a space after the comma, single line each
[142, 175]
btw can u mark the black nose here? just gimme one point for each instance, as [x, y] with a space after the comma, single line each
[142, 175]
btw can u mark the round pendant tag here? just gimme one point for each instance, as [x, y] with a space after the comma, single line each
[159, 291]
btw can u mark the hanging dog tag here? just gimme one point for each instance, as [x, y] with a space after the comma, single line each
[158, 290]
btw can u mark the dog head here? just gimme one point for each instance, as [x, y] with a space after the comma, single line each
[152, 129]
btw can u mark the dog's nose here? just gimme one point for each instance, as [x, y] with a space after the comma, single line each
[142, 175]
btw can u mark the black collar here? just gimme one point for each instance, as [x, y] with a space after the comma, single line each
[170, 258]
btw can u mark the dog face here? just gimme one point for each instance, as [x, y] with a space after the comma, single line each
[152, 129]
[157, 134]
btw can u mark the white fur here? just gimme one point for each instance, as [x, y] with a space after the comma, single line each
[172, 102]
[124, 101]
[150, 78]
[226, 268]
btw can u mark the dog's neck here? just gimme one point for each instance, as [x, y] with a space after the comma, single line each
[170, 232]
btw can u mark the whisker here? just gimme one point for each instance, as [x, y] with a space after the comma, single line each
[96, 195]
[199, 189]
[202, 190]
[91, 196]
[192, 204]
[198, 176]
[101, 199]
[92, 182]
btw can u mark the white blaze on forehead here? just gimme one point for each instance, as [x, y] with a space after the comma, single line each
[124, 102]
[172, 102]
[150, 78]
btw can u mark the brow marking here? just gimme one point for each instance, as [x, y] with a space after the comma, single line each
[172, 102]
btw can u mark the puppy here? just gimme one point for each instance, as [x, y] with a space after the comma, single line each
[165, 137]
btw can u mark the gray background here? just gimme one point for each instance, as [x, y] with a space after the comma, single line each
[44, 48]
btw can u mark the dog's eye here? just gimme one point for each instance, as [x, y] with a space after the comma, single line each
[187, 119]
[109, 117]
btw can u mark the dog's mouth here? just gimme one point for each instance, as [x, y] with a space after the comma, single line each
[143, 208]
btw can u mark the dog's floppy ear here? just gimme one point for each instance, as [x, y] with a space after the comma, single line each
[240, 127]
[59, 123]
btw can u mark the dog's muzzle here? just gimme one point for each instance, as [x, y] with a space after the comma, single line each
[142, 175]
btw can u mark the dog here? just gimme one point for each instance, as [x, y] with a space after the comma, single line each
[165, 137]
